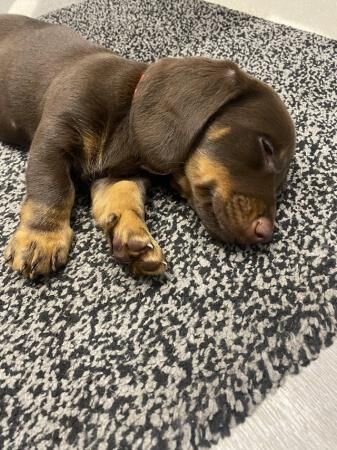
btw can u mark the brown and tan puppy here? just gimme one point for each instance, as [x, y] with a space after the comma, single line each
[224, 137]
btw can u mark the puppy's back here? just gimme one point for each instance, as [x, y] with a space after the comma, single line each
[32, 54]
[12, 23]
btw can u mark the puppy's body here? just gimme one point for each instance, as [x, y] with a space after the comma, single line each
[224, 137]
[83, 88]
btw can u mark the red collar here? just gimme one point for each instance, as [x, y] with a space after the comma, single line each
[140, 79]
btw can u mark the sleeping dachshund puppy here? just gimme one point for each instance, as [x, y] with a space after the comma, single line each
[224, 137]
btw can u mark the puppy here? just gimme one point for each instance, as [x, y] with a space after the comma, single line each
[224, 138]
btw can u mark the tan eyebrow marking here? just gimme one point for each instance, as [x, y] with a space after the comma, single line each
[215, 132]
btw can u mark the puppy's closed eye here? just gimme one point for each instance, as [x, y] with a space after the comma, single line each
[269, 154]
[204, 190]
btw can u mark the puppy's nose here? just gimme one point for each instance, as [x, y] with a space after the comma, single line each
[261, 230]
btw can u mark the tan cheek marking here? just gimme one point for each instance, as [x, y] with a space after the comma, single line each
[116, 199]
[202, 170]
[215, 132]
[181, 183]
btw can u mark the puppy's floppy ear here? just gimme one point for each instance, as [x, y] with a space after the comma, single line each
[173, 102]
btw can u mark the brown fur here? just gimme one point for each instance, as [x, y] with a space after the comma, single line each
[224, 136]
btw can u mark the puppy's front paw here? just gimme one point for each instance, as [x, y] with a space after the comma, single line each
[132, 243]
[34, 252]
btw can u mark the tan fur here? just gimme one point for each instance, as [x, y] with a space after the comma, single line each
[29, 247]
[242, 209]
[37, 252]
[200, 170]
[180, 182]
[214, 133]
[93, 147]
[115, 198]
[118, 207]
[131, 226]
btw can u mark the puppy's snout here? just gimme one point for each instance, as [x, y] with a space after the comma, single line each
[260, 230]
[241, 219]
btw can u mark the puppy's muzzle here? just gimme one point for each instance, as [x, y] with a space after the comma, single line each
[250, 222]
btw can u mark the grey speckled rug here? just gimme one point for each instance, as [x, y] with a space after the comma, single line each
[94, 358]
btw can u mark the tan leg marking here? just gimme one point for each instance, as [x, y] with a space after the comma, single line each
[119, 209]
[41, 243]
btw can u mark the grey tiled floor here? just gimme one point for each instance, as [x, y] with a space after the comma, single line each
[302, 414]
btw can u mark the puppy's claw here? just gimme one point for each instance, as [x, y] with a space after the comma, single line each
[32, 275]
[8, 258]
[55, 263]
[24, 268]
[35, 263]
[34, 253]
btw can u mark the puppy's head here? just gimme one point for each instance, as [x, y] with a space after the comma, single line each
[239, 165]
[226, 138]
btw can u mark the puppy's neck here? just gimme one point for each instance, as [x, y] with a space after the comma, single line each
[122, 157]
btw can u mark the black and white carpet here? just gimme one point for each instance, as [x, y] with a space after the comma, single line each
[95, 358]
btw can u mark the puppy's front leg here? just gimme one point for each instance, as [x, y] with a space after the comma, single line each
[118, 208]
[42, 240]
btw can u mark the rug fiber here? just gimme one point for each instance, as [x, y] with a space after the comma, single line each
[96, 358]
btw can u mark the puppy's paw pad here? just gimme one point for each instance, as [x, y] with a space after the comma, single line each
[150, 263]
[133, 244]
[129, 244]
[136, 245]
